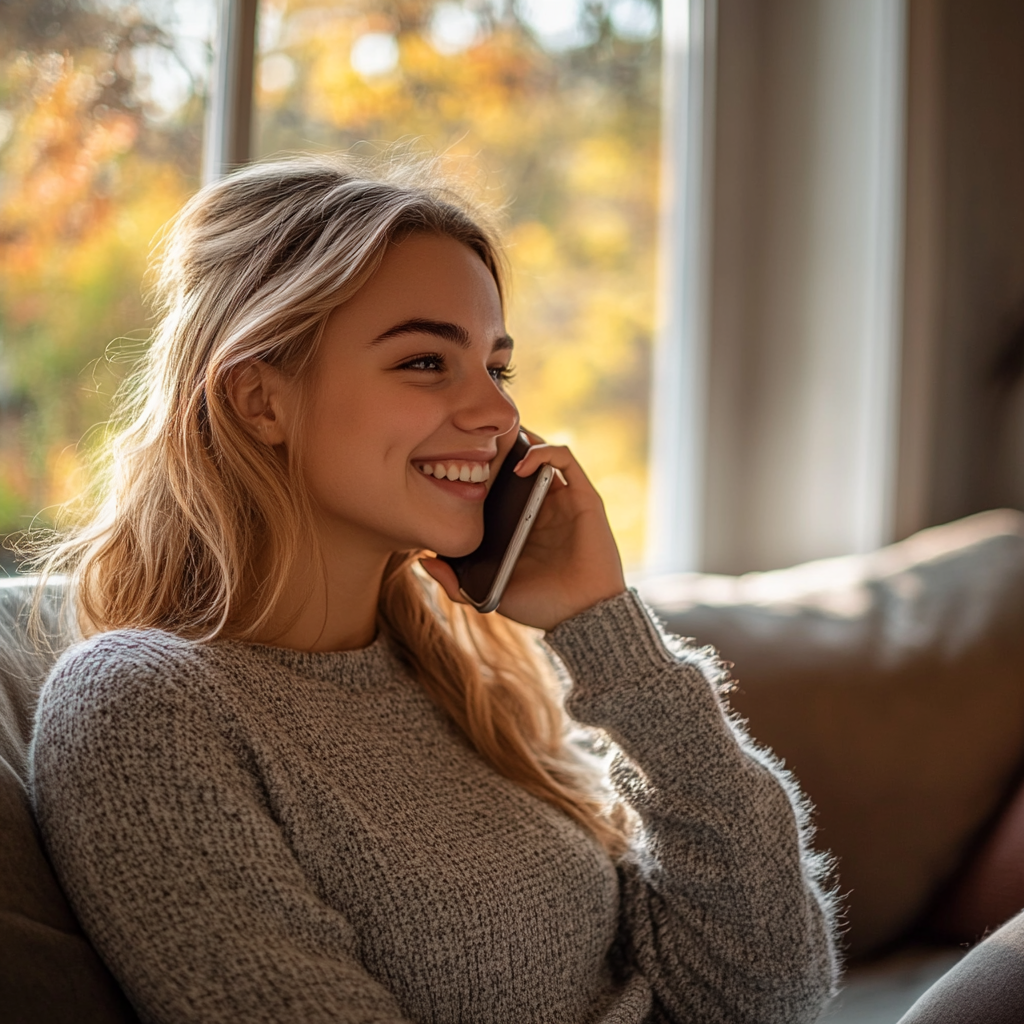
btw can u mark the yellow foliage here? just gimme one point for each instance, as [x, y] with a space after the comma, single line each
[51, 165]
[602, 166]
[78, 210]
[603, 233]
[558, 141]
[67, 477]
[532, 246]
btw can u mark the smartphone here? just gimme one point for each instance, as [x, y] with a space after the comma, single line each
[510, 509]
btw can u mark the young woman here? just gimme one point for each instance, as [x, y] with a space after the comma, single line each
[288, 777]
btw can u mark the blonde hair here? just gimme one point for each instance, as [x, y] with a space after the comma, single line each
[195, 533]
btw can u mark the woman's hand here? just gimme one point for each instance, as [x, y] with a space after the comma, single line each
[570, 561]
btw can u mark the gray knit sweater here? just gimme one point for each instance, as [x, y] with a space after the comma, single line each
[253, 834]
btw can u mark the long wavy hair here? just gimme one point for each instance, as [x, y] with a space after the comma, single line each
[195, 529]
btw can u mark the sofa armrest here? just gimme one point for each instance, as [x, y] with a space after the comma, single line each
[892, 684]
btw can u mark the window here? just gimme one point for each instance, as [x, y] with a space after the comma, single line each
[549, 108]
[101, 113]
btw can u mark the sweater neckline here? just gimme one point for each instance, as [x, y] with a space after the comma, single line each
[368, 662]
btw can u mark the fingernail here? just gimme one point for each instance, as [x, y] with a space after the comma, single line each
[518, 465]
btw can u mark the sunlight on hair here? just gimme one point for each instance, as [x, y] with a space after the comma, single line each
[197, 527]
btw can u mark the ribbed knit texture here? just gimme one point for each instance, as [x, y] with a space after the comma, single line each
[253, 834]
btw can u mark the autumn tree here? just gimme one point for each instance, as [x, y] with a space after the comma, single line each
[87, 176]
[561, 132]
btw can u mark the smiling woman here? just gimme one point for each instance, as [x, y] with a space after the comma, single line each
[290, 776]
[408, 372]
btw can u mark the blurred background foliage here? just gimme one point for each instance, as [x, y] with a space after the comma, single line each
[90, 167]
[547, 109]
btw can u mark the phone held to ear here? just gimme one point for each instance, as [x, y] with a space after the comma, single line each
[510, 508]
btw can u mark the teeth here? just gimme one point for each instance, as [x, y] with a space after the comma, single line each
[475, 472]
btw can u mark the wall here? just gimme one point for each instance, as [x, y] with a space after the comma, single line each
[861, 345]
[966, 174]
[804, 303]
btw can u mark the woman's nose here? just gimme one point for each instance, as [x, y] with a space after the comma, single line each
[484, 408]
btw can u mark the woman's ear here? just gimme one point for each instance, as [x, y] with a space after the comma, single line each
[257, 393]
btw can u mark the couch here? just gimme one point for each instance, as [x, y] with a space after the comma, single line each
[49, 973]
[892, 684]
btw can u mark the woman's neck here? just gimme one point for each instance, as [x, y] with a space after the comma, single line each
[329, 602]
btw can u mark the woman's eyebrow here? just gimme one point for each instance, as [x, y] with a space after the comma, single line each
[439, 328]
[455, 333]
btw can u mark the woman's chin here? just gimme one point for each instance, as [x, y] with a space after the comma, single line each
[456, 547]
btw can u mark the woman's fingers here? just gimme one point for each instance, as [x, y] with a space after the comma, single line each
[561, 459]
[570, 561]
[537, 441]
[444, 574]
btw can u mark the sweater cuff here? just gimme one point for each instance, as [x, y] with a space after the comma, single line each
[614, 639]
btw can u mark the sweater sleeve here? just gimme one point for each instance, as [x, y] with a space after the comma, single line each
[167, 846]
[723, 910]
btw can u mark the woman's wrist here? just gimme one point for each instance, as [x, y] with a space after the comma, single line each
[586, 604]
[606, 646]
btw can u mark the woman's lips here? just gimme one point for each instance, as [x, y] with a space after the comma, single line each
[459, 488]
[460, 476]
[466, 470]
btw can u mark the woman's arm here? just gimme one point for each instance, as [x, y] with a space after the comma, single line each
[167, 846]
[723, 910]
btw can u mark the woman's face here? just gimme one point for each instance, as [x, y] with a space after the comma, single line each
[410, 377]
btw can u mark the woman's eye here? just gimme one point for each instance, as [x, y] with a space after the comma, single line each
[432, 363]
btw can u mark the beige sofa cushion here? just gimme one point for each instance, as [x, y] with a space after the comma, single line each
[49, 973]
[893, 686]
[985, 987]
